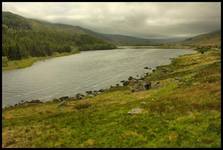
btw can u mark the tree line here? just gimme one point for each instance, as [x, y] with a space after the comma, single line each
[25, 42]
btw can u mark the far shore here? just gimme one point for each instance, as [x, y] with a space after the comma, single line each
[27, 62]
[156, 46]
[23, 63]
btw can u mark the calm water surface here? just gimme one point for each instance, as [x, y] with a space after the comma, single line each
[69, 75]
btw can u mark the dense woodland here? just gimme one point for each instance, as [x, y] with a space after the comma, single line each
[23, 38]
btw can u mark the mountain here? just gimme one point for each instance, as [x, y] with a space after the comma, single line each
[118, 39]
[123, 39]
[130, 40]
[208, 39]
[23, 37]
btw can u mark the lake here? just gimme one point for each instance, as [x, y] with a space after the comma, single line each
[91, 70]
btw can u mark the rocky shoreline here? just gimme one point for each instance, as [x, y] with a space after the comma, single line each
[134, 84]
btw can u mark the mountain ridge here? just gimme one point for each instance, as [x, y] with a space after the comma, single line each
[25, 37]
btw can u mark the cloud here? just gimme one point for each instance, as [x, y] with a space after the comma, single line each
[149, 19]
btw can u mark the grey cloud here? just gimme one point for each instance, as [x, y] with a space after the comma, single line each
[148, 20]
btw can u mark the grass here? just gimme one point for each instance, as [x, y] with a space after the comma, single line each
[183, 111]
[27, 62]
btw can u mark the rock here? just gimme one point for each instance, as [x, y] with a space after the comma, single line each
[91, 95]
[89, 92]
[63, 98]
[141, 85]
[135, 111]
[56, 100]
[62, 103]
[130, 78]
[156, 84]
[79, 96]
[35, 101]
[147, 85]
[96, 93]
[28, 102]
[125, 83]
[146, 67]
[101, 90]
[133, 81]
[132, 90]
[142, 78]
[143, 103]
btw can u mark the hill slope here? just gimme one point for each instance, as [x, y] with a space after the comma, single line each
[24, 37]
[119, 39]
[208, 39]
[184, 110]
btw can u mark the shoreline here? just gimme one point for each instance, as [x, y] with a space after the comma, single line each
[181, 105]
[93, 93]
[27, 62]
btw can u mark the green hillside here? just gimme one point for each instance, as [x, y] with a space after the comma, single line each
[208, 39]
[201, 42]
[24, 37]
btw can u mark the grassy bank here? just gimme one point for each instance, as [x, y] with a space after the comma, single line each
[182, 111]
[23, 63]
[161, 46]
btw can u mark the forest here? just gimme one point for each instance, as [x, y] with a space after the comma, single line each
[23, 38]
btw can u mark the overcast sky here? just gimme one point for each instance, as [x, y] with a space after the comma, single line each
[149, 20]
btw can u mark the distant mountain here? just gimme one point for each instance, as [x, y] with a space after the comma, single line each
[125, 40]
[130, 40]
[208, 39]
[169, 40]
[119, 39]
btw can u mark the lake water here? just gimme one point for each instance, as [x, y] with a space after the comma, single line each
[91, 70]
